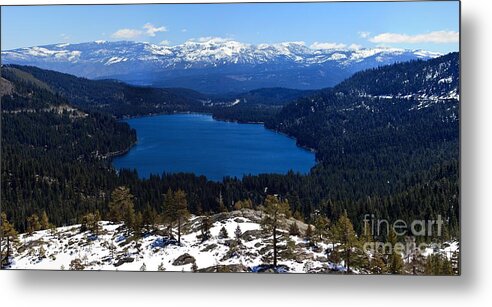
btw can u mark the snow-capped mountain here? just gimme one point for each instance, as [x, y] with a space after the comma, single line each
[210, 64]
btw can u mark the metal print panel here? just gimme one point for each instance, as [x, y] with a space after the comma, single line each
[253, 137]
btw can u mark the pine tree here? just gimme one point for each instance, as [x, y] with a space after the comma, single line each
[143, 268]
[238, 234]
[138, 223]
[447, 268]
[290, 249]
[129, 218]
[176, 209]
[223, 233]
[9, 234]
[42, 252]
[343, 233]
[321, 224]
[96, 228]
[395, 260]
[294, 229]
[205, 228]
[169, 211]
[33, 224]
[149, 218]
[238, 205]
[45, 224]
[378, 266]
[222, 207]
[275, 212]
[90, 222]
[181, 210]
[121, 206]
[396, 264]
[309, 233]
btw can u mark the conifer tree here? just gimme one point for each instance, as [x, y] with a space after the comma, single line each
[90, 222]
[149, 218]
[395, 260]
[138, 223]
[129, 217]
[294, 229]
[45, 224]
[275, 212]
[176, 209]
[309, 233]
[447, 268]
[220, 200]
[143, 268]
[378, 266]
[223, 233]
[182, 212]
[121, 206]
[9, 234]
[321, 224]
[96, 228]
[396, 264]
[238, 234]
[33, 224]
[290, 249]
[205, 228]
[238, 205]
[169, 211]
[343, 233]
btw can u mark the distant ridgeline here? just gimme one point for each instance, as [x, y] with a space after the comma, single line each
[212, 66]
[387, 142]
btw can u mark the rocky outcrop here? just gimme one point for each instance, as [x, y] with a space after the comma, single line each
[183, 260]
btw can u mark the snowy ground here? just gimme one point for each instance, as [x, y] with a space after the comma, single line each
[113, 250]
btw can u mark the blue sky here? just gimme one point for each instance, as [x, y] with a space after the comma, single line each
[431, 26]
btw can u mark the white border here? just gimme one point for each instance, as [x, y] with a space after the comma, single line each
[20, 288]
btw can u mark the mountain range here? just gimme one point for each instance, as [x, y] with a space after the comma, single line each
[211, 66]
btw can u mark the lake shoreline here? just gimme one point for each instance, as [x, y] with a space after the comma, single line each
[287, 157]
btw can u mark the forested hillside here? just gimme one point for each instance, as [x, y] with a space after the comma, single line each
[114, 97]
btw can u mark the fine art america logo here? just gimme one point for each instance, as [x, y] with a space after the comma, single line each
[375, 227]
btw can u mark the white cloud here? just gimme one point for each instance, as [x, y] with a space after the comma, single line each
[150, 30]
[364, 34]
[318, 45]
[437, 37]
[184, 30]
[127, 33]
[165, 43]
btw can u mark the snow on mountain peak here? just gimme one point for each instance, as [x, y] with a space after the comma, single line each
[285, 64]
[203, 51]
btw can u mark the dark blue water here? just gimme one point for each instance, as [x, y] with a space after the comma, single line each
[197, 143]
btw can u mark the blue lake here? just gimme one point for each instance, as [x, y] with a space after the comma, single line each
[196, 143]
